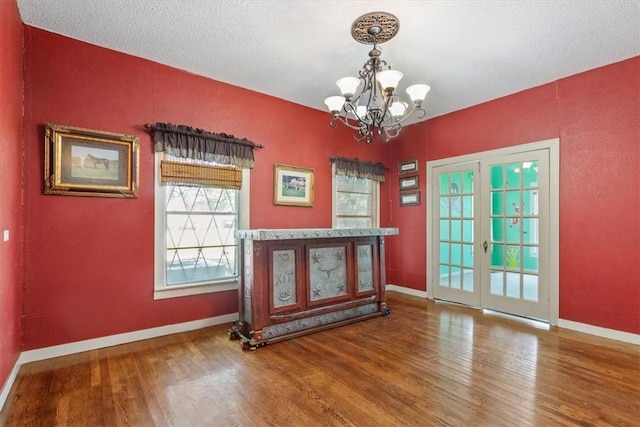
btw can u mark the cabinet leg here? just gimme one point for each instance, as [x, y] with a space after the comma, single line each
[234, 332]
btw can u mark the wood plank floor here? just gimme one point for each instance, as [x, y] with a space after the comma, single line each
[427, 364]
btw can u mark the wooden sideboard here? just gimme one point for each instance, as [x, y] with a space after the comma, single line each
[298, 281]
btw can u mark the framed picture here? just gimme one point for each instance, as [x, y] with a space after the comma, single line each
[408, 166]
[409, 183]
[411, 198]
[85, 162]
[292, 185]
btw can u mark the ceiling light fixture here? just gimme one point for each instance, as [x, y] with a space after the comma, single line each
[368, 103]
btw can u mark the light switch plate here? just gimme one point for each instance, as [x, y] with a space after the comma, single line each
[5, 236]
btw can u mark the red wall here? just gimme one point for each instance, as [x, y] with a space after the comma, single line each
[10, 185]
[90, 260]
[596, 115]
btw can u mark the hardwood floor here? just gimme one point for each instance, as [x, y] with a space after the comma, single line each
[427, 364]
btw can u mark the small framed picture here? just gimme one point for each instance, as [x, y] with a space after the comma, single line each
[292, 185]
[408, 166]
[409, 183]
[85, 162]
[411, 198]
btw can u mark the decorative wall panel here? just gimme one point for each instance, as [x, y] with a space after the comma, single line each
[364, 255]
[327, 272]
[284, 278]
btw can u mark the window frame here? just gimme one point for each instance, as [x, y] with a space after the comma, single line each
[160, 289]
[375, 217]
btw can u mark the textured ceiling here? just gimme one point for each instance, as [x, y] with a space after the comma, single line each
[468, 51]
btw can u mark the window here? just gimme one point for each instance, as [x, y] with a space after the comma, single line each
[355, 202]
[196, 248]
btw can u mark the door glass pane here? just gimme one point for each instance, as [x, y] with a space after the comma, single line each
[497, 229]
[444, 183]
[497, 177]
[513, 175]
[455, 278]
[530, 174]
[467, 185]
[513, 230]
[467, 279]
[456, 230]
[456, 206]
[467, 230]
[456, 254]
[467, 255]
[497, 203]
[513, 257]
[444, 252]
[497, 255]
[529, 230]
[530, 287]
[467, 206]
[530, 258]
[497, 282]
[514, 205]
[444, 207]
[444, 275]
[530, 202]
[456, 183]
[513, 285]
[444, 229]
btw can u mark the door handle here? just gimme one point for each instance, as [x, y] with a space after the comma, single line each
[485, 246]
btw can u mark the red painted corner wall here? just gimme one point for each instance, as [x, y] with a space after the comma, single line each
[596, 115]
[89, 261]
[10, 186]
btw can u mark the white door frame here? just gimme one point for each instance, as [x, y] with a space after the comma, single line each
[553, 147]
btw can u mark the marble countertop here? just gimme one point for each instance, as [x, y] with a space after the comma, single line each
[312, 233]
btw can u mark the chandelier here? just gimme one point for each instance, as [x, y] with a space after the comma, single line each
[368, 103]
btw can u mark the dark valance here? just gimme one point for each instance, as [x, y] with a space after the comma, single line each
[359, 168]
[192, 143]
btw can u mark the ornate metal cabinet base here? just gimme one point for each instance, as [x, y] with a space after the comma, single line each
[295, 282]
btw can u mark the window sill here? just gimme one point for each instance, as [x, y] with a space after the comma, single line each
[187, 290]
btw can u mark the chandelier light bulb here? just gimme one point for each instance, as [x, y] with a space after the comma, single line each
[348, 86]
[334, 103]
[397, 109]
[418, 93]
[389, 79]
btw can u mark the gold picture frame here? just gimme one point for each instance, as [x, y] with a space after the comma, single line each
[293, 186]
[86, 162]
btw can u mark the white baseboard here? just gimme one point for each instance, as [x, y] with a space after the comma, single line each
[600, 332]
[567, 324]
[8, 384]
[92, 344]
[407, 291]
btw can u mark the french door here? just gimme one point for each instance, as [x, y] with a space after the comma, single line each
[490, 231]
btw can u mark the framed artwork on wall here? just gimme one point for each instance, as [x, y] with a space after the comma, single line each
[409, 183]
[410, 198]
[86, 162]
[292, 185]
[408, 166]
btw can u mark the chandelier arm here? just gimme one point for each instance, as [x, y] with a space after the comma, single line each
[419, 110]
[344, 121]
[393, 131]
[349, 108]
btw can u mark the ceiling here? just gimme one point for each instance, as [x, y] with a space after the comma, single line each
[469, 52]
